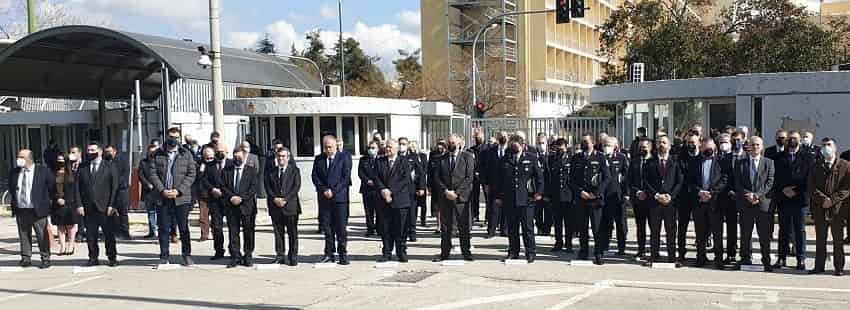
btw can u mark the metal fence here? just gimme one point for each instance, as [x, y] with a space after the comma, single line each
[567, 127]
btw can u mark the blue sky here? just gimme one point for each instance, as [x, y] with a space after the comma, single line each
[382, 26]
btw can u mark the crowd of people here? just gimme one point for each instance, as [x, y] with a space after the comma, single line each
[725, 183]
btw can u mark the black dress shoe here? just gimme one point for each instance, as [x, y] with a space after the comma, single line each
[327, 259]
[92, 263]
[440, 258]
[217, 256]
[344, 261]
[557, 248]
[45, 263]
[648, 263]
[568, 250]
[384, 259]
[278, 260]
[639, 255]
[768, 268]
[233, 263]
[248, 261]
[816, 271]
[113, 262]
[293, 262]
[411, 239]
[597, 260]
[529, 258]
[402, 258]
[746, 262]
[801, 265]
[25, 262]
[838, 273]
[188, 261]
[468, 258]
[163, 261]
[718, 264]
[780, 263]
[729, 261]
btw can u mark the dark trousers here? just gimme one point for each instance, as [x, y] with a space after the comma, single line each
[27, 222]
[496, 220]
[475, 199]
[454, 213]
[237, 221]
[411, 219]
[285, 226]
[166, 213]
[422, 205]
[614, 214]
[792, 225]
[667, 215]
[683, 219]
[217, 224]
[730, 216]
[589, 211]
[369, 202]
[122, 205]
[395, 231]
[334, 224]
[708, 221]
[96, 220]
[641, 211]
[753, 216]
[564, 220]
[543, 217]
[822, 226]
[520, 217]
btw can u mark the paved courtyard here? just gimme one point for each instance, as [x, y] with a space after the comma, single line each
[487, 283]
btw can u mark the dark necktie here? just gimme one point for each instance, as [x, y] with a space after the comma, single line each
[452, 162]
[663, 168]
[238, 178]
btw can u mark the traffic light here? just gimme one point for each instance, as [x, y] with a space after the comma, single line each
[479, 109]
[577, 8]
[562, 14]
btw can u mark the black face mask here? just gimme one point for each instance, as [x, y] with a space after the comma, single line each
[60, 164]
[91, 156]
[108, 157]
[219, 156]
[780, 141]
[237, 162]
[643, 153]
[503, 140]
[171, 142]
[793, 143]
[585, 147]
[209, 160]
[708, 153]
[452, 148]
[691, 148]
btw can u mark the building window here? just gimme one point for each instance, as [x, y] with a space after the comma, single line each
[304, 136]
[365, 135]
[757, 115]
[348, 134]
[327, 126]
[282, 131]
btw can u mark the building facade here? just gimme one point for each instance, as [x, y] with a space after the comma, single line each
[543, 69]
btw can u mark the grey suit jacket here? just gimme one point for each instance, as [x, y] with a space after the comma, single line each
[744, 183]
[459, 179]
[183, 171]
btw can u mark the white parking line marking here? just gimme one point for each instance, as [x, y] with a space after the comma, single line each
[738, 286]
[500, 298]
[63, 285]
[598, 287]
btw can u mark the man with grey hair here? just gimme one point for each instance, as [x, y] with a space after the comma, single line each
[332, 177]
[754, 187]
[453, 182]
[394, 182]
[32, 187]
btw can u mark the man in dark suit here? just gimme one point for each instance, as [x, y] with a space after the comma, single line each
[172, 174]
[240, 194]
[332, 177]
[213, 183]
[491, 166]
[454, 187]
[478, 150]
[634, 150]
[664, 183]
[518, 184]
[774, 151]
[732, 155]
[754, 187]
[417, 174]
[97, 186]
[282, 186]
[560, 194]
[708, 182]
[689, 156]
[366, 173]
[590, 177]
[542, 209]
[395, 185]
[639, 191]
[829, 188]
[110, 153]
[792, 170]
[31, 187]
[614, 211]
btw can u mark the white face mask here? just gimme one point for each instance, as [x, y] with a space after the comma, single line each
[72, 157]
[725, 147]
[20, 162]
[807, 141]
[402, 148]
[608, 150]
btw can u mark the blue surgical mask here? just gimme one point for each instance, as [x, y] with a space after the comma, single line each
[826, 151]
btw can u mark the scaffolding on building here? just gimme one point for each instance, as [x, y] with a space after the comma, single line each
[497, 50]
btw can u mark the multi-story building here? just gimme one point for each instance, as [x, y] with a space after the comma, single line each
[535, 67]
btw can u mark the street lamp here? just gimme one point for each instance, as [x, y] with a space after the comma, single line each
[341, 53]
[319, 70]
[215, 63]
[474, 66]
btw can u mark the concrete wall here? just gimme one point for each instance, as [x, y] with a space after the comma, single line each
[308, 191]
[825, 114]
[409, 126]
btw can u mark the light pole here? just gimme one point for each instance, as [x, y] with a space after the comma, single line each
[474, 66]
[215, 54]
[478, 35]
[341, 53]
[31, 19]
[319, 70]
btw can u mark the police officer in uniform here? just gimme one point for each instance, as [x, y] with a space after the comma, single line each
[616, 196]
[560, 195]
[590, 178]
[519, 184]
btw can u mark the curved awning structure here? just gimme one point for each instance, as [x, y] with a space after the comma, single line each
[80, 62]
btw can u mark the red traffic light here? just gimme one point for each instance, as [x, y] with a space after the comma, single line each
[479, 105]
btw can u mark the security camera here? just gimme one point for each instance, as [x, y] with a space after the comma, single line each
[205, 60]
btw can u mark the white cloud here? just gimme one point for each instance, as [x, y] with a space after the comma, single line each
[282, 33]
[327, 12]
[5, 5]
[410, 20]
[241, 39]
[191, 14]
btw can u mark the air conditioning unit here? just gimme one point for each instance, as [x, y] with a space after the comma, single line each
[333, 91]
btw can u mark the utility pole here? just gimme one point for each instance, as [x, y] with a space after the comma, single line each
[31, 19]
[341, 53]
[215, 54]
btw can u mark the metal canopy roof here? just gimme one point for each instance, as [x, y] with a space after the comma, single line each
[75, 61]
